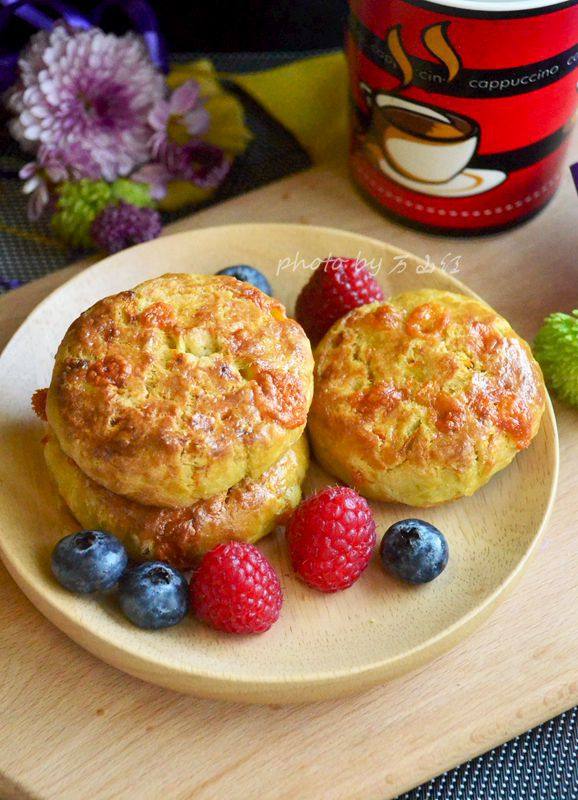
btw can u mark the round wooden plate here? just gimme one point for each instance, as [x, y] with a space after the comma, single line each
[323, 645]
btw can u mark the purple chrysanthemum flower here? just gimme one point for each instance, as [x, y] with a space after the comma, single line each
[86, 96]
[176, 145]
[120, 226]
[180, 118]
[204, 164]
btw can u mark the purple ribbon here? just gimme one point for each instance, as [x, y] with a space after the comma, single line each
[9, 283]
[574, 173]
[37, 18]
[144, 20]
[138, 12]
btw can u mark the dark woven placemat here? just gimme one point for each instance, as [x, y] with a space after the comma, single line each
[539, 765]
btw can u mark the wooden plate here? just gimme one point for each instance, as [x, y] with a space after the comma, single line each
[324, 645]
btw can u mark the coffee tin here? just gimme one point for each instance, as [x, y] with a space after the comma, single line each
[461, 109]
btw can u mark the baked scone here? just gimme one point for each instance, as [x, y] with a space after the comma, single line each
[423, 398]
[179, 389]
[247, 512]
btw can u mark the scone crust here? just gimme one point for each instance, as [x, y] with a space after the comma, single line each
[421, 399]
[247, 512]
[180, 388]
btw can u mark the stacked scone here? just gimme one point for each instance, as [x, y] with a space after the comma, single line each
[176, 414]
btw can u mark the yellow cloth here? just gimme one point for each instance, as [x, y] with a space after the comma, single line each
[308, 97]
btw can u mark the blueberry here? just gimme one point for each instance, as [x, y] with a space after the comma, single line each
[154, 595]
[249, 275]
[414, 550]
[88, 561]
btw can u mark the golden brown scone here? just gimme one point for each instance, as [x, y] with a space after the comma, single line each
[423, 398]
[177, 390]
[247, 512]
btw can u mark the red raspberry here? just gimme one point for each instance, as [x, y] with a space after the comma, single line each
[236, 590]
[336, 287]
[331, 538]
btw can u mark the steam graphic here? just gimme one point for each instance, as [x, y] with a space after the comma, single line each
[399, 55]
[436, 41]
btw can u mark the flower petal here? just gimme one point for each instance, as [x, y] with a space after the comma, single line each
[156, 176]
[184, 98]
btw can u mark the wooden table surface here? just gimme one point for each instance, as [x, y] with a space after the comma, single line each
[73, 727]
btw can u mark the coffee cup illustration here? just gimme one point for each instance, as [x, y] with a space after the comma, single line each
[443, 129]
[424, 148]
[422, 143]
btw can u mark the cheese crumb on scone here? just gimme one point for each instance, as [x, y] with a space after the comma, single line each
[421, 399]
[180, 388]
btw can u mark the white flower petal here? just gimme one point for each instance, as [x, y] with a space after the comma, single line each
[30, 185]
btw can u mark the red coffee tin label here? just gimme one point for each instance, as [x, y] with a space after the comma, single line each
[460, 118]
